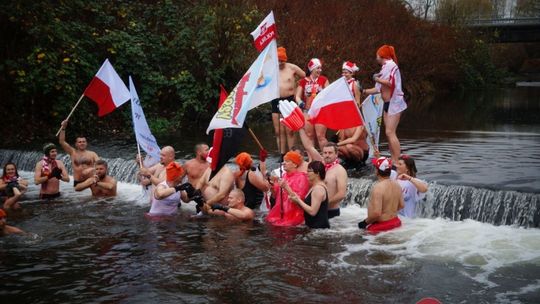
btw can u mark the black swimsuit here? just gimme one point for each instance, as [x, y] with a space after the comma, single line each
[253, 195]
[320, 220]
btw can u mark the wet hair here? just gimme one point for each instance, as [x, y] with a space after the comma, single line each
[333, 145]
[298, 148]
[198, 147]
[4, 173]
[240, 193]
[318, 168]
[47, 148]
[101, 162]
[409, 162]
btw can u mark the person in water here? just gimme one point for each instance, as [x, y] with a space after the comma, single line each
[412, 187]
[388, 83]
[235, 209]
[13, 186]
[196, 167]
[285, 212]
[166, 196]
[385, 200]
[79, 155]
[288, 74]
[6, 229]
[100, 183]
[49, 172]
[315, 204]
[250, 180]
[157, 173]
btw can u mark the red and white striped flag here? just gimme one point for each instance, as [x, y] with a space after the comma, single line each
[265, 32]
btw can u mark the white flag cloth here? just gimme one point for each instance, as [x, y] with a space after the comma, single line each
[260, 84]
[265, 32]
[372, 110]
[144, 136]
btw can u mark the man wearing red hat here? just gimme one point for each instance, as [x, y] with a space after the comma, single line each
[288, 74]
[385, 201]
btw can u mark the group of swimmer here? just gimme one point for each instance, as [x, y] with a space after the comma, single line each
[302, 191]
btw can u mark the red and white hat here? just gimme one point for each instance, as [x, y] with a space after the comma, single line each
[382, 163]
[350, 66]
[313, 64]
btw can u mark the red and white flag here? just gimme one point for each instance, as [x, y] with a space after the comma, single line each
[265, 32]
[107, 90]
[335, 108]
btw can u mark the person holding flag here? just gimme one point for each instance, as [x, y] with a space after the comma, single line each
[388, 83]
[308, 88]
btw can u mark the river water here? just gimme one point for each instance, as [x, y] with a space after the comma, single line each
[476, 239]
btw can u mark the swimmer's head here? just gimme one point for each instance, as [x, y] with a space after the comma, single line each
[47, 148]
[383, 166]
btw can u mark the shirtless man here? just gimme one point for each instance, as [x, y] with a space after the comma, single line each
[288, 74]
[48, 173]
[156, 174]
[196, 167]
[385, 201]
[217, 189]
[352, 145]
[78, 155]
[336, 176]
[6, 229]
[101, 184]
[236, 210]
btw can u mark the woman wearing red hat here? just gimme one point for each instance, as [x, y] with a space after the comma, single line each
[388, 83]
[307, 90]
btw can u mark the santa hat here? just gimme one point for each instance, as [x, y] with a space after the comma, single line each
[350, 66]
[382, 163]
[313, 64]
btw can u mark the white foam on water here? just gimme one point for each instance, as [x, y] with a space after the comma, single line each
[506, 297]
[481, 248]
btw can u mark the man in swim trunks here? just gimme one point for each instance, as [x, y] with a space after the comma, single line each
[235, 210]
[288, 75]
[48, 173]
[6, 229]
[79, 155]
[385, 201]
[100, 183]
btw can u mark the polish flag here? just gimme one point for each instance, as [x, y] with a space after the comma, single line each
[107, 90]
[265, 32]
[335, 108]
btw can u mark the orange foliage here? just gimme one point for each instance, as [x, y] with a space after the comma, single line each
[337, 31]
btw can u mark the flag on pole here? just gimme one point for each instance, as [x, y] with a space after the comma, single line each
[265, 32]
[372, 110]
[258, 85]
[107, 90]
[144, 136]
[335, 108]
[226, 141]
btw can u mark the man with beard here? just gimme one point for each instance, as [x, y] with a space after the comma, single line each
[196, 167]
[101, 184]
[49, 172]
[78, 155]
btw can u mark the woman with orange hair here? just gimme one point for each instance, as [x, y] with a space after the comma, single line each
[250, 181]
[388, 83]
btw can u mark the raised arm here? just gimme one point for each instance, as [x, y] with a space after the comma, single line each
[62, 139]
[308, 145]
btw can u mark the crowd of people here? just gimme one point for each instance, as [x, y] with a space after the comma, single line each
[308, 187]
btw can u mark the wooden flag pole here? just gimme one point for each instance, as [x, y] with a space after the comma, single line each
[70, 113]
[256, 139]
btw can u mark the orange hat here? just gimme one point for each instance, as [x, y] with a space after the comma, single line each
[174, 170]
[294, 157]
[244, 161]
[282, 54]
[2, 213]
[387, 52]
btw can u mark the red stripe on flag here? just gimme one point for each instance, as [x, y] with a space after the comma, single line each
[100, 93]
[337, 116]
[265, 37]
[218, 133]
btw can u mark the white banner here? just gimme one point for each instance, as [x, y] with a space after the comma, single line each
[372, 109]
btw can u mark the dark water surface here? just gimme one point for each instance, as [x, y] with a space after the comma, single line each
[470, 245]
